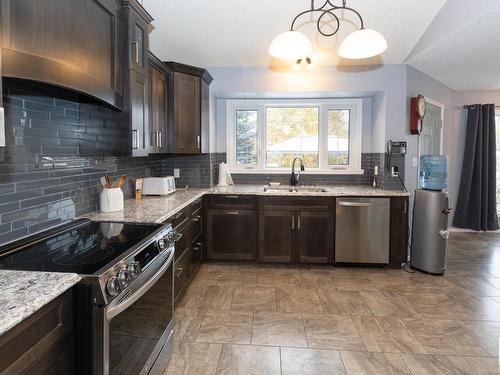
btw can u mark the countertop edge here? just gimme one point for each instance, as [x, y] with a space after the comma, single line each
[21, 300]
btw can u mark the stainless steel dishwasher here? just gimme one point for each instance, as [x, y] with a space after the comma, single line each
[362, 230]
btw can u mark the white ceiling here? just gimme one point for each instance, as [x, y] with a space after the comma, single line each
[466, 57]
[221, 33]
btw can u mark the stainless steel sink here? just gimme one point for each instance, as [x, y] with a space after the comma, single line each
[294, 189]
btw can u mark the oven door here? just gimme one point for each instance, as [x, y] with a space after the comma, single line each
[134, 332]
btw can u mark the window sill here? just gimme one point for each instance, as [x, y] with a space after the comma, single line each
[306, 172]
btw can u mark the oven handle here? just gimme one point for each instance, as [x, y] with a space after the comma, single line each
[114, 311]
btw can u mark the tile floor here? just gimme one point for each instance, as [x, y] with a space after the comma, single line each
[278, 319]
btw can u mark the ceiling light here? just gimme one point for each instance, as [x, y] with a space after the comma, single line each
[362, 44]
[292, 45]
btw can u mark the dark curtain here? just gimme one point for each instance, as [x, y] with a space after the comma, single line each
[476, 204]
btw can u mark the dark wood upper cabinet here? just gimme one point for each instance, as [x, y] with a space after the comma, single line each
[74, 44]
[138, 39]
[137, 93]
[188, 100]
[158, 75]
[139, 114]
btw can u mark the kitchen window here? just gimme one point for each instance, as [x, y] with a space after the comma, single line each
[264, 136]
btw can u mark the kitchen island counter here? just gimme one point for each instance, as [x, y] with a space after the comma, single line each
[22, 293]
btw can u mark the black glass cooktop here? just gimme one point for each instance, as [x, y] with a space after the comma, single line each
[82, 249]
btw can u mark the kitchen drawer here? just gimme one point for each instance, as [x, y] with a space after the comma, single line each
[196, 256]
[297, 203]
[183, 242]
[181, 274]
[232, 201]
[179, 218]
[196, 225]
[195, 206]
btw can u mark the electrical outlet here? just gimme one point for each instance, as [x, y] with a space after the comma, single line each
[395, 171]
[177, 172]
[415, 162]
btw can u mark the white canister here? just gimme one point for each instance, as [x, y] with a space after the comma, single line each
[111, 200]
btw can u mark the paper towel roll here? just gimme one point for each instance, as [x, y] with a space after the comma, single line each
[225, 178]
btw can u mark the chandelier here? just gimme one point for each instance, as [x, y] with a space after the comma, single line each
[361, 44]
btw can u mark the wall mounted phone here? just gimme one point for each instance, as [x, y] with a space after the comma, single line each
[394, 148]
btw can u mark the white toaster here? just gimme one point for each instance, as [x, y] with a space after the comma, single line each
[158, 185]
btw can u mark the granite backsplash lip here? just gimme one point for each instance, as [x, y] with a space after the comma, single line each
[22, 293]
[157, 209]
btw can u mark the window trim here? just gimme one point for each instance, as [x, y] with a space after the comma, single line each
[355, 105]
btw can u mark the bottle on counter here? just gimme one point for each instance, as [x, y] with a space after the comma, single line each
[138, 188]
[375, 174]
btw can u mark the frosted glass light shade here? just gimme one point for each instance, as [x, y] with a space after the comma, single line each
[362, 44]
[290, 45]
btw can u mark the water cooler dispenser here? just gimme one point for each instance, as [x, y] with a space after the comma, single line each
[430, 216]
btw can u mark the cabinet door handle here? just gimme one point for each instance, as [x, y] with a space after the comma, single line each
[232, 196]
[136, 50]
[231, 212]
[293, 222]
[178, 215]
[198, 142]
[196, 248]
[298, 221]
[178, 272]
[196, 218]
[177, 236]
[2, 127]
[159, 140]
[135, 139]
[154, 139]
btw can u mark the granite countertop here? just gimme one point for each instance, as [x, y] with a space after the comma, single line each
[156, 209]
[331, 191]
[24, 292]
[150, 209]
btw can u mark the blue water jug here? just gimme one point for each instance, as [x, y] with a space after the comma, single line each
[434, 172]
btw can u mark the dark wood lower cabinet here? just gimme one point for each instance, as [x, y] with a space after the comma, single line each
[314, 236]
[288, 229]
[398, 239]
[276, 236]
[295, 236]
[189, 248]
[231, 234]
[43, 343]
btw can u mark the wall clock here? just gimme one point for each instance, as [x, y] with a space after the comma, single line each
[417, 113]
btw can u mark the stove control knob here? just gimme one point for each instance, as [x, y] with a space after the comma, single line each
[124, 278]
[134, 268]
[113, 287]
[162, 245]
[169, 238]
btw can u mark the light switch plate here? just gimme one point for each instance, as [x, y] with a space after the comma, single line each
[177, 172]
[415, 162]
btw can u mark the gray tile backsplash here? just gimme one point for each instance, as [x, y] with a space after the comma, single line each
[44, 180]
[368, 162]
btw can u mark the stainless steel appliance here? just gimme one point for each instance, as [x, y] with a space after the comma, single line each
[362, 230]
[429, 237]
[124, 302]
